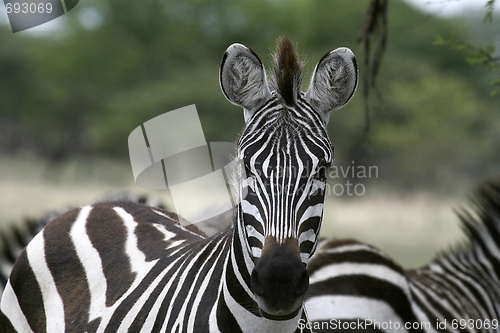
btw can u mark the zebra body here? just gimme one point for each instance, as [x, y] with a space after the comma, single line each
[459, 291]
[120, 267]
[356, 284]
[15, 239]
[152, 278]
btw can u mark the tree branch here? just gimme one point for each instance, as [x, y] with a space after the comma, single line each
[375, 21]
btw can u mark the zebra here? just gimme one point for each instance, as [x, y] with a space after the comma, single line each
[356, 287]
[120, 266]
[15, 238]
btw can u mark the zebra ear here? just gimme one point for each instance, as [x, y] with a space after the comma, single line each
[243, 78]
[333, 82]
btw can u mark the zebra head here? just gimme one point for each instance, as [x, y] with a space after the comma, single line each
[286, 152]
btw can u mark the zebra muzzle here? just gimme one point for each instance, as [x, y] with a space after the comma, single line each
[279, 280]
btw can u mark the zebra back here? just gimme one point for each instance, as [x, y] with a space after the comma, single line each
[15, 238]
[462, 286]
[148, 235]
[356, 286]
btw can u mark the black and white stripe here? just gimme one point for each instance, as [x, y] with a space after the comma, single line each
[14, 239]
[354, 282]
[285, 184]
[124, 267]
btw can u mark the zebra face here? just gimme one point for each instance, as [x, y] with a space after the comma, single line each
[286, 171]
[286, 152]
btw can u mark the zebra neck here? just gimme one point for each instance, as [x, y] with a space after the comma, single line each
[236, 300]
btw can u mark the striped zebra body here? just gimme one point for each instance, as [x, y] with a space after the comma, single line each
[154, 277]
[354, 283]
[121, 267]
[459, 291]
[14, 239]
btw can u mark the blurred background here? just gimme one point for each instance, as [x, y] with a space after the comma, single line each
[73, 89]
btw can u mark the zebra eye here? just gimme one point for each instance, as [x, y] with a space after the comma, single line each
[322, 171]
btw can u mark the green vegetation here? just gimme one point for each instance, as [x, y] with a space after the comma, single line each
[83, 91]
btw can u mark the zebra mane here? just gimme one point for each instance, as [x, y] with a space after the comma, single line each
[480, 222]
[286, 74]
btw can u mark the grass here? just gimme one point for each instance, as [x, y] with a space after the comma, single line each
[411, 228]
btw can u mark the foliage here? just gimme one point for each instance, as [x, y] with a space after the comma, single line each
[119, 63]
[434, 118]
[484, 56]
[490, 6]
[480, 55]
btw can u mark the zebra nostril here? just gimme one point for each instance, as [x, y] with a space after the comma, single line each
[303, 283]
[256, 284]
